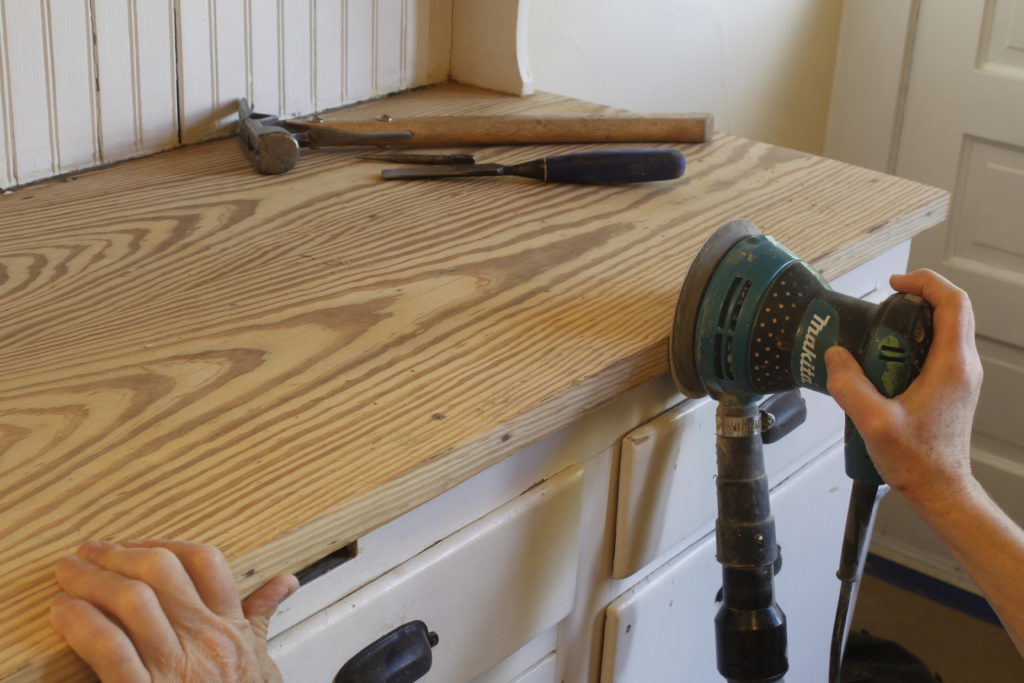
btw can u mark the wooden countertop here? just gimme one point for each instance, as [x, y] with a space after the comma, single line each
[278, 364]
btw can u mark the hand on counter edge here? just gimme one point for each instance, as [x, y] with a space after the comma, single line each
[148, 611]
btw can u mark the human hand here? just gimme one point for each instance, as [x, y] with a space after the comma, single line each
[919, 441]
[150, 611]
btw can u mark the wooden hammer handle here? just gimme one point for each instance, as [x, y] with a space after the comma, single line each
[521, 130]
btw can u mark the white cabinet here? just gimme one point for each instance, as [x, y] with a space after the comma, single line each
[662, 629]
[667, 476]
[666, 485]
[486, 591]
[532, 663]
[306, 650]
[542, 672]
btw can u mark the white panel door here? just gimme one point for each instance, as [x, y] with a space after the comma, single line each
[866, 107]
[964, 131]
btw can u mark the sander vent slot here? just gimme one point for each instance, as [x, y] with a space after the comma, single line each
[738, 306]
[727, 321]
[891, 353]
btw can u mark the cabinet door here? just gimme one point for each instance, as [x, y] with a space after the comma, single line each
[486, 591]
[662, 629]
[523, 661]
[543, 671]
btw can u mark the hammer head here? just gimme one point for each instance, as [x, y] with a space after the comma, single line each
[273, 145]
[270, 147]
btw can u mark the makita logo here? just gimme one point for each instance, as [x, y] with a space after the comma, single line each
[807, 354]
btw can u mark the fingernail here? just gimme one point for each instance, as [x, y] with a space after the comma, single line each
[60, 598]
[89, 549]
[68, 563]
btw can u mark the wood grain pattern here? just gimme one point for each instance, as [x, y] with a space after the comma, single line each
[276, 365]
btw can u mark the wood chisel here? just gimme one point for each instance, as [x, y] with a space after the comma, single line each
[604, 167]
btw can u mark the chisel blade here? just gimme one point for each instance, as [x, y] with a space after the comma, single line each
[417, 158]
[450, 171]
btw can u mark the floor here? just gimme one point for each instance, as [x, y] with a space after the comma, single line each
[960, 648]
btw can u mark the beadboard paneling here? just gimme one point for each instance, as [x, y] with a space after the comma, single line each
[358, 45]
[85, 82]
[295, 57]
[73, 113]
[135, 63]
[26, 58]
[47, 97]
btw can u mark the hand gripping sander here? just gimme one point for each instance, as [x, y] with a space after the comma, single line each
[753, 319]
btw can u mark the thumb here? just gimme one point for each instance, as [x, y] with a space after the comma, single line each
[851, 389]
[261, 604]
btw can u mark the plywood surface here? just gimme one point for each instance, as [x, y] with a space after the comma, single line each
[276, 365]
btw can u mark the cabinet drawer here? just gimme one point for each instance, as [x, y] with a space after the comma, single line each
[662, 629]
[381, 550]
[526, 659]
[486, 590]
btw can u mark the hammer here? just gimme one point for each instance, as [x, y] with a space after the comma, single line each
[273, 145]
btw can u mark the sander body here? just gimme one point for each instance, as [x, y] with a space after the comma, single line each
[752, 320]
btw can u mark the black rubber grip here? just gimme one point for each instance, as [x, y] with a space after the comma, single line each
[614, 166]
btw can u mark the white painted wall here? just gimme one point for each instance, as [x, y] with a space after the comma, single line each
[764, 69]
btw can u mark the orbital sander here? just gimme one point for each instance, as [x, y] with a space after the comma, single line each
[753, 319]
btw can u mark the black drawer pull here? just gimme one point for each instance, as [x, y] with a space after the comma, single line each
[401, 656]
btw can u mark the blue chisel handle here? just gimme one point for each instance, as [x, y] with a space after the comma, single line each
[607, 167]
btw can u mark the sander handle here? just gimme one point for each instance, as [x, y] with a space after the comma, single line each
[892, 355]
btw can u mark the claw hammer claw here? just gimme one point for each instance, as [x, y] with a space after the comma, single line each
[273, 145]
